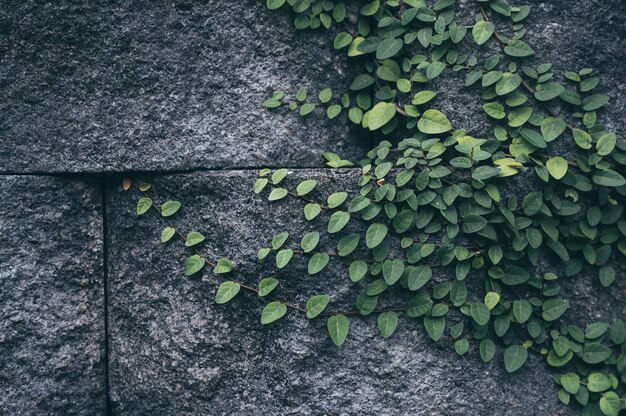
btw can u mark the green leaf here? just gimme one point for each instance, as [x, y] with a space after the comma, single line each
[361, 82]
[461, 346]
[433, 122]
[609, 178]
[333, 111]
[423, 97]
[522, 309]
[277, 193]
[606, 144]
[518, 48]
[279, 175]
[381, 114]
[598, 382]
[337, 199]
[223, 266]
[387, 323]
[266, 286]
[570, 382]
[487, 350]
[357, 270]
[283, 257]
[272, 312]
[317, 262]
[392, 270]
[534, 137]
[316, 305]
[553, 309]
[347, 244]
[494, 110]
[482, 31]
[170, 208]
[582, 139]
[595, 353]
[473, 223]
[594, 102]
[143, 205]
[508, 83]
[274, 4]
[610, 404]
[194, 264]
[309, 241]
[388, 48]
[306, 186]
[480, 313]
[279, 239]
[549, 91]
[434, 327]
[514, 358]
[492, 299]
[338, 327]
[167, 234]
[375, 235]
[260, 184]
[338, 221]
[435, 69]
[311, 211]
[193, 238]
[226, 292]
[551, 128]
[557, 167]
[325, 95]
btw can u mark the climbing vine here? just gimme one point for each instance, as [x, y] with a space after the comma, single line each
[431, 196]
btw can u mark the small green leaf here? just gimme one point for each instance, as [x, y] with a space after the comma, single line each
[143, 205]
[317, 262]
[193, 238]
[325, 95]
[492, 299]
[608, 177]
[260, 184]
[279, 175]
[598, 382]
[272, 312]
[606, 144]
[381, 114]
[434, 327]
[582, 139]
[310, 241]
[338, 327]
[279, 239]
[514, 358]
[518, 48]
[551, 128]
[336, 199]
[461, 346]
[283, 257]
[487, 350]
[480, 313]
[266, 286]
[433, 122]
[610, 404]
[522, 309]
[167, 234]
[553, 309]
[375, 235]
[306, 186]
[549, 91]
[223, 266]
[595, 353]
[570, 382]
[357, 270]
[338, 221]
[170, 208]
[392, 270]
[194, 264]
[274, 4]
[482, 31]
[277, 193]
[306, 108]
[388, 48]
[435, 69]
[311, 211]
[423, 97]
[387, 323]
[226, 292]
[494, 110]
[316, 305]
[557, 167]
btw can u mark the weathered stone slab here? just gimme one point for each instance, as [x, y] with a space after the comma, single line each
[178, 85]
[174, 351]
[52, 346]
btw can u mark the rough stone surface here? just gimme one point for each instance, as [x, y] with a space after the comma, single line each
[96, 86]
[174, 351]
[51, 297]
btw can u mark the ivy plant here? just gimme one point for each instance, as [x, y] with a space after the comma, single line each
[435, 207]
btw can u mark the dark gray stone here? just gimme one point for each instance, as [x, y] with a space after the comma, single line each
[52, 354]
[97, 86]
[174, 351]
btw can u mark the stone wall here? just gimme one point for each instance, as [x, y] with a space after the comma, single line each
[96, 315]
